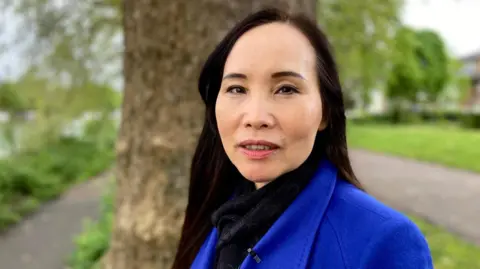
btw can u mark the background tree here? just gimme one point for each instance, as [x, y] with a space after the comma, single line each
[73, 50]
[421, 70]
[362, 35]
[83, 38]
[434, 61]
[76, 40]
[406, 72]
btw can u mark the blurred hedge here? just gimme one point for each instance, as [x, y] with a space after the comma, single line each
[30, 178]
[465, 119]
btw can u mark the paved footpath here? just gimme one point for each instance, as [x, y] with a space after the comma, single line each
[445, 196]
[44, 240]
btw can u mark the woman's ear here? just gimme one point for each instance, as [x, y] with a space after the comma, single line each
[323, 125]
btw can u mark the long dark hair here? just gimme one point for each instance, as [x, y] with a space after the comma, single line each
[212, 176]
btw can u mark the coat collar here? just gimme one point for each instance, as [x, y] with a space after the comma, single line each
[284, 238]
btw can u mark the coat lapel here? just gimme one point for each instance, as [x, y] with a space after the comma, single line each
[288, 242]
[206, 254]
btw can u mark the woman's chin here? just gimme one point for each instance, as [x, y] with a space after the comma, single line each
[259, 178]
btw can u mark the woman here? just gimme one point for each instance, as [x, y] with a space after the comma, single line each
[271, 181]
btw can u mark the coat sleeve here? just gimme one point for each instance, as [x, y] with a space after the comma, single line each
[399, 244]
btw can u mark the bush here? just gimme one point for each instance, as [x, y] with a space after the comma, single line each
[30, 178]
[21, 179]
[465, 119]
[94, 241]
[391, 117]
[471, 120]
[102, 131]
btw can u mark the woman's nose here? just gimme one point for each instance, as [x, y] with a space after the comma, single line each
[258, 115]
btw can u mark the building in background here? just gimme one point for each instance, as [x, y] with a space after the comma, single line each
[471, 68]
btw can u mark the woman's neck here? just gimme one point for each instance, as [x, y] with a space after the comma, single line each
[307, 165]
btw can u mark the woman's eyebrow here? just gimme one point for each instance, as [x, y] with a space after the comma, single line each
[287, 74]
[235, 75]
[274, 75]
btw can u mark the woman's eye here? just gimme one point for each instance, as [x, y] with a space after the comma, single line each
[236, 89]
[286, 89]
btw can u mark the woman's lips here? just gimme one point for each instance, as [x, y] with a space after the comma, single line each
[257, 149]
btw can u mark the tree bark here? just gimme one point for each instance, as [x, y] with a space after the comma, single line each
[165, 44]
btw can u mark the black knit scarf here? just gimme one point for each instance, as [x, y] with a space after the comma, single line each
[243, 220]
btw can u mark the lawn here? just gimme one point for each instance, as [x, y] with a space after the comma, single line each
[449, 251]
[446, 145]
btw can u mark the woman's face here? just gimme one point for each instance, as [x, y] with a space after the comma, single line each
[269, 109]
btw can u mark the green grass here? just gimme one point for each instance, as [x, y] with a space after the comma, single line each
[444, 144]
[449, 251]
[29, 179]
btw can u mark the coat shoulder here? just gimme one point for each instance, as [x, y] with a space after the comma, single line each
[371, 234]
[361, 206]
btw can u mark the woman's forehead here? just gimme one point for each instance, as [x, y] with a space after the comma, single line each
[276, 46]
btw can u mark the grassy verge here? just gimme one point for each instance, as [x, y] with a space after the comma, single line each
[446, 145]
[449, 251]
[29, 179]
[93, 242]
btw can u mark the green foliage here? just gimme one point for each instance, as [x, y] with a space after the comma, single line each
[73, 39]
[67, 78]
[94, 241]
[360, 33]
[471, 120]
[406, 74]
[30, 178]
[80, 39]
[11, 100]
[434, 61]
[48, 96]
[421, 70]
[93, 97]
[101, 131]
[55, 106]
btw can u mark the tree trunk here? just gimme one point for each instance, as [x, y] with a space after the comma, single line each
[165, 44]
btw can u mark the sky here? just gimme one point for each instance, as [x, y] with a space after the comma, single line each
[457, 21]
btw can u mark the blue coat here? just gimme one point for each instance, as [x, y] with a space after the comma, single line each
[333, 225]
